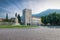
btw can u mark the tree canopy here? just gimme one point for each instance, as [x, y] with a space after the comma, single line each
[52, 19]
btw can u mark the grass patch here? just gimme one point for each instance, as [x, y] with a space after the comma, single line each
[20, 26]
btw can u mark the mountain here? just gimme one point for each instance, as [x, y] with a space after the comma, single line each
[46, 12]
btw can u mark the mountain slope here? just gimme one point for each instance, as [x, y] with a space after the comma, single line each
[46, 12]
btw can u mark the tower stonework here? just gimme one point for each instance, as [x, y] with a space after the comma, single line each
[27, 17]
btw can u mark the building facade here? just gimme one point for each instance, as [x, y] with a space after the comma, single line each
[27, 16]
[36, 21]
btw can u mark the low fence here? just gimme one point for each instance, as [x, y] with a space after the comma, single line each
[6, 23]
[36, 24]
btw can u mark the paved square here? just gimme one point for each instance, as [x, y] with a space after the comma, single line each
[41, 33]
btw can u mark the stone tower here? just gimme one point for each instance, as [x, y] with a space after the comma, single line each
[27, 17]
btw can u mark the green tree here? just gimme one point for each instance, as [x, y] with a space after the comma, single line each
[53, 19]
[19, 19]
[44, 19]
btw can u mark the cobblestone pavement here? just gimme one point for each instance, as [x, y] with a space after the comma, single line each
[41, 33]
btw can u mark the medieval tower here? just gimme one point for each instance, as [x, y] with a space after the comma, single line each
[27, 16]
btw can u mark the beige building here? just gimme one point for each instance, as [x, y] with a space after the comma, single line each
[1, 19]
[27, 16]
[36, 21]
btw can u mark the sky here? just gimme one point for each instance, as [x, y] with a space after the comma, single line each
[16, 6]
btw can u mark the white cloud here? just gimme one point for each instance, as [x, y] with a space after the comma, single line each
[41, 5]
[37, 6]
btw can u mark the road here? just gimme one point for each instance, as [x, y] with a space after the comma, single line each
[41, 33]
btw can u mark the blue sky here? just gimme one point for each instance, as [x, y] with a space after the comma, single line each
[37, 6]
